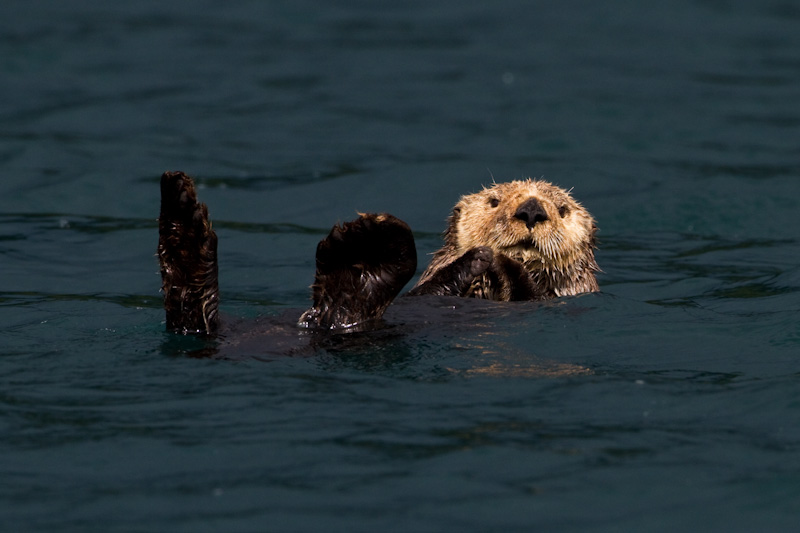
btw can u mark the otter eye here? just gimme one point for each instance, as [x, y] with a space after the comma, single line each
[562, 211]
[494, 202]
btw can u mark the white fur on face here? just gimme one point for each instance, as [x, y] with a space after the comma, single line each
[487, 218]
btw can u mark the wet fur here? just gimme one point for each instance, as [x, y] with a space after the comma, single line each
[361, 266]
[187, 253]
[532, 260]
[490, 252]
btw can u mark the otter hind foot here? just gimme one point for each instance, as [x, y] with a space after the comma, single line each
[361, 267]
[187, 253]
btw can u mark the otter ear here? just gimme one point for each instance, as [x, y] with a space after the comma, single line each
[593, 236]
[450, 233]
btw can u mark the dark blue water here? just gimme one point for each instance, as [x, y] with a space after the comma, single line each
[670, 401]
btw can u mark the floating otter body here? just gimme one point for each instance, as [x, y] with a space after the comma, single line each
[523, 240]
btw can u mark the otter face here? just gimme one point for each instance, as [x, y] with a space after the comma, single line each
[534, 222]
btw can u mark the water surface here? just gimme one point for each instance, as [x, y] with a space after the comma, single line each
[666, 402]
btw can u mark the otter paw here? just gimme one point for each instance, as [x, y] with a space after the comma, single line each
[361, 267]
[481, 260]
[187, 252]
[378, 244]
[179, 200]
[456, 278]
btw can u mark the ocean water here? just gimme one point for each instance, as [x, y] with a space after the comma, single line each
[670, 401]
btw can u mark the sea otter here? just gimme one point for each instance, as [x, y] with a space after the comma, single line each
[523, 240]
[526, 239]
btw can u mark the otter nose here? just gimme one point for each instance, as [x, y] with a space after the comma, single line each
[531, 213]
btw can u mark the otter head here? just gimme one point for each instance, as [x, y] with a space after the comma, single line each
[533, 222]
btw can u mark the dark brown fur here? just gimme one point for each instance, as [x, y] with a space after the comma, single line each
[187, 253]
[361, 266]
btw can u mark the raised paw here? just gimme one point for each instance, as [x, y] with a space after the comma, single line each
[187, 252]
[378, 244]
[179, 200]
[361, 267]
